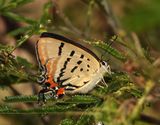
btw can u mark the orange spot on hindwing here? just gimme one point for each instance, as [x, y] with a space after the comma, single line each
[60, 92]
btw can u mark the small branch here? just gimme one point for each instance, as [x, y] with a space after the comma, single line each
[41, 110]
[18, 18]
[106, 7]
[15, 92]
[66, 20]
[149, 119]
[24, 38]
[77, 99]
[88, 20]
[12, 99]
[137, 45]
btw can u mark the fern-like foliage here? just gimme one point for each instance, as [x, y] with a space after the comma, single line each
[131, 87]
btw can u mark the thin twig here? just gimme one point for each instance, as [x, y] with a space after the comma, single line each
[66, 20]
[137, 110]
[88, 20]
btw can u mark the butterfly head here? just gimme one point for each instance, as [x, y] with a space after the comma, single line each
[106, 67]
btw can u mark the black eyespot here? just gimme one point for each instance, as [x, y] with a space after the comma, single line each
[60, 95]
[47, 84]
[81, 69]
[82, 56]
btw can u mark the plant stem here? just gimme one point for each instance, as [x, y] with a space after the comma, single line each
[138, 108]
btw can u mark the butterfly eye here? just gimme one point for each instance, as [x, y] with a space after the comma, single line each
[104, 63]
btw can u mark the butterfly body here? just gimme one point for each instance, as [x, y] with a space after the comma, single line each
[67, 66]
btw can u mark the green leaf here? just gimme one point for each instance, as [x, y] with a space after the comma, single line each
[107, 111]
[12, 99]
[18, 17]
[5, 48]
[116, 81]
[40, 110]
[84, 99]
[85, 120]
[23, 62]
[67, 122]
[7, 6]
[77, 99]
[46, 16]
[106, 47]
[11, 71]
[20, 30]
[20, 2]
[4, 109]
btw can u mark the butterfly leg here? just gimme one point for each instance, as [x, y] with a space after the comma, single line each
[104, 82]
[41, 96]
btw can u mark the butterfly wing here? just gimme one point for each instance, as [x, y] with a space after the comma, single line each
[74, 63]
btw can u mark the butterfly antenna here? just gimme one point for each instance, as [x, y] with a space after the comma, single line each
[108, 60]
[110, 42]
[113, 39]
[102, 56]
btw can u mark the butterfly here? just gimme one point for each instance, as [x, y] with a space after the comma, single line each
[67, 66]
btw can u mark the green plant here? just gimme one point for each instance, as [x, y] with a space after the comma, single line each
[131, 87]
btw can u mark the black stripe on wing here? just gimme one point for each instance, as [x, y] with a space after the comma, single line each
[60, 49]
[72, 87]
[62, 70]
[72, 53]
[73, 69]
